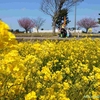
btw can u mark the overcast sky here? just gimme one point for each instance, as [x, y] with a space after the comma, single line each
[12, 10]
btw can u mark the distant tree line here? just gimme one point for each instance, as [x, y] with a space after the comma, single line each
[16, 31]
[57, 9]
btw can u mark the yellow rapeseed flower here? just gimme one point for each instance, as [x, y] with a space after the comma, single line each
[97, 76]
[66, 86]
[31, 96]
[39, 85]
[6, 37]
[85, 79]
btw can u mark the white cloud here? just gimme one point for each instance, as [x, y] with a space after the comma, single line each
[23, 9]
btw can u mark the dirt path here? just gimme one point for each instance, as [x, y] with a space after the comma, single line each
[35, 38]
[46, 38]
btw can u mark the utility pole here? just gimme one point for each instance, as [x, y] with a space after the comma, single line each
[75, 19]
[75, 16]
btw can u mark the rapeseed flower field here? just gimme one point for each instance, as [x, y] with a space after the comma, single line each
[48, 70]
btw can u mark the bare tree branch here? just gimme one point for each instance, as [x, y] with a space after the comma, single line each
[53, 7]
[38, 22]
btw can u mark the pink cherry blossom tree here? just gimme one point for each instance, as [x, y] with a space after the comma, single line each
[26, 23]
[87, 23]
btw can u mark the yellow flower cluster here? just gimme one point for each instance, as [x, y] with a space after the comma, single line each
[6, 37]
[50, 70]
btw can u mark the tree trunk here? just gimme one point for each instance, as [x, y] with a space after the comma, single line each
[37, 30]
[54, 26]
[87, 30]
[26, 30]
